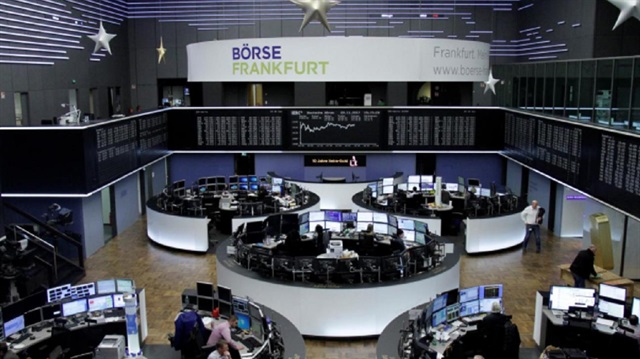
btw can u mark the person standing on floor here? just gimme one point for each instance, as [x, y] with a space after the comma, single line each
[532, 217]
[582, 266]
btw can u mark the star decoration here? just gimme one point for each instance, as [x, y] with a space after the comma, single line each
[490, 83]
[315, 10]
[102, 39]
[161, 52]
[628, 8]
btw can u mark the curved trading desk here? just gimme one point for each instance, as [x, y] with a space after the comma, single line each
[336, 194]
[191, 233]
[339, 310]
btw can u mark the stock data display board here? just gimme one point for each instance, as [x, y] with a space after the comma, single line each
[335, 129]
[444, 129]
[226, 129]
[602, 163]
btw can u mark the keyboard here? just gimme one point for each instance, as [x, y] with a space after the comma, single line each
[457, 324]
[604, 322]
[21, 338]
[251, 341]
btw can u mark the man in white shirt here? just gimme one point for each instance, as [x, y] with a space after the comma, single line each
[221, 352]
[532, 217]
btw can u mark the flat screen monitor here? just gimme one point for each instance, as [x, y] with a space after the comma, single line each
[333, 226]
[221, 179]
[393, 221]
[276, 181]
[58, 293]
[362, 226]
[224, 294]
[469, 294]
[100, 303]
[303, 217]
[349, 216]
[204, 289]
[51, 311]
[125, 286]
[440, 302]
[225, 309]
[461, 181]
[304, 228]
[387, 189]
[409, 236]
[244, 321]
[451, 187]
[240, 305]
[254, 187]
[380, 217]
[485, 192]
[13, 326]
[243, 187]
[420, 238]
[335, 216]
[426, 178]
[611, 309]
[74, 307]
[253, 179]
[365, 216]
[421, 227]
[387, 181]
[205, 304]
[453, 312]
[473, 182]
[32, 317]
[635, 306]
[82, 290]
[221, 187]
[276, 189]
[413, 179]
[491, 291]
[406, 224]
[452, 296]
[426, 186]
[461, 188]
[233, 186]
[438, 317]
[257, 328]
[561, 298]
[106, 286]
[233, 179]
[403, 187]
[202, 181]
[118, 300]
[487, 304]
[612, 292]
[316, 216]
[469, 308]
[380, 228]
[179, 184]
[243, 179]
[313, 225]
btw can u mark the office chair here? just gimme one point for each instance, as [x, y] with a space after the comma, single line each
[284, 267]
[323, 268]
[347, 270]
[303, 266]
[370, 267]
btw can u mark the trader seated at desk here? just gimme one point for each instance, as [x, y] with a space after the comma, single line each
[397, 242]
[349, 230]
[223, 331]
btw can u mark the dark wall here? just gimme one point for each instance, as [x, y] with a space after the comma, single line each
[190, 167]
[486, 167]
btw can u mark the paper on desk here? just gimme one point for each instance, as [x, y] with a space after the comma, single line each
[448, 248]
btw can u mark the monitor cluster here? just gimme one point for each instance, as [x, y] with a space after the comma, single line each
[426, 183]
[207, 300]
[383, 223]
[64, 301]
[454, 304]
[608, 301]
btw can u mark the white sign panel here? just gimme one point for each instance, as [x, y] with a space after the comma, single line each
[338, 59]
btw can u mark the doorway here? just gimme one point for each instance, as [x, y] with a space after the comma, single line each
[244, 164]
[21, 105]
[108, 213]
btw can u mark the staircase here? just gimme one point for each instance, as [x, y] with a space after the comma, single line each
[51, 257]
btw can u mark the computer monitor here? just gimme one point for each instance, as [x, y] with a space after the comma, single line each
[335, 216]
[380, 217]
[365, 217]
[233, 179]
[304, 217]
[403, 187]
[276, 181]
[612, 292]
[561, 298]
[349, 216]
[304, 228]
[204, 289]
[205, 304]
[362, 226]
[125, 286]
[253, 179]
[74, 307]
[179, 184]
[421, 226]
[426, 186]
[276, 189]
[100, 303]
[487, 304]
[253, 187]
[406, 224]
[453, 312]
[469, 308]
[380, 228]
[224, 294]
[32, 317]
[13, 326]
[82, 290]
[233, 186]
[452, 296]
[440, 302]
[461, 188]
[409, 236]
[469, 294]
[426, 178]
[333, 226]
[202, 181]
[387, 189]
[635, 306]
[58, 293]
[611, 308]
[225, 309]
[243, 187]
[413, 179]
[118, 300]
[51, 311]
[106, 286]
[244, 321]
[240, 305]
[393, 221]
[491, 291]
[438, 317]
[451, 187]
[420, 238]
[473, 182]
[388, 181]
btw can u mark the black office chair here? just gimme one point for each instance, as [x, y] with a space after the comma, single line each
[370, 267]
[348, 270]
[323, 269]
[303, 267]
[392, 267]
[284, 267]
